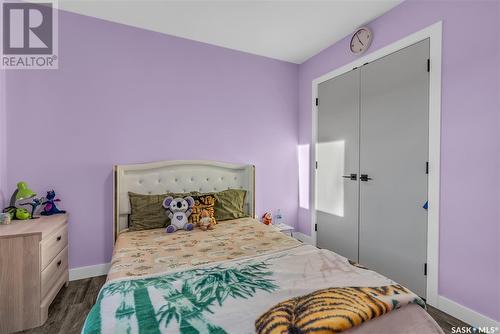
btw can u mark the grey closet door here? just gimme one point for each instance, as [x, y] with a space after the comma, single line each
[394, 152]
[338, 155]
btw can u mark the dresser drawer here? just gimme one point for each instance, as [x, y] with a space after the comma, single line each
[53, 245]
[54, 270]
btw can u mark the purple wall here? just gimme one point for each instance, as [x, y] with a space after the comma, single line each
[121, 92]
[470, 144]
[125, 95]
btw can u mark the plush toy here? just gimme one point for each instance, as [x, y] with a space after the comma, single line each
[22, 214]
[267, 218]
[205, 222]
[178, 210]
[50, 207]
[11, 211]
[35, 202]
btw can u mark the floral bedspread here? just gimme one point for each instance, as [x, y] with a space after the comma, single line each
[154, 251]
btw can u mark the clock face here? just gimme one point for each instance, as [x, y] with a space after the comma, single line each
[361, 40]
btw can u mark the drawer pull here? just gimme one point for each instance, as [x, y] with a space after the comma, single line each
[59, 263]
[59, 238]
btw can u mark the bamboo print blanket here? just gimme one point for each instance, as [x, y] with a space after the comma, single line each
[228, 297]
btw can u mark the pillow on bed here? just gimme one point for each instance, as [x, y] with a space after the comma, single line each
[230, 204]
[203, 202]
[147, 211]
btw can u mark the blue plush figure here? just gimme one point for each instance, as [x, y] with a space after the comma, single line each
[34, 204]
[50, 207]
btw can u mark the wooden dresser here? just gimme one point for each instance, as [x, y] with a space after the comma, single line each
[33, 268]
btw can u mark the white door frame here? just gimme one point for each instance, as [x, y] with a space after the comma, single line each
[434, 33]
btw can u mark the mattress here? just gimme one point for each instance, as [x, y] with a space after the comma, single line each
[222, 281]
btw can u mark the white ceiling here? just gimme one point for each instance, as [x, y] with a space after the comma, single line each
[287, 30]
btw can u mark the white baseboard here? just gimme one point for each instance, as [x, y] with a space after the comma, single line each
[89, 271]
[465, 314]
[303, 237]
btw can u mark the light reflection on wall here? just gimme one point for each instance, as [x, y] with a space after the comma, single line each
[303, 157]
[330, 184]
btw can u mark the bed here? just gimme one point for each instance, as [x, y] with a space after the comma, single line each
[241, 277]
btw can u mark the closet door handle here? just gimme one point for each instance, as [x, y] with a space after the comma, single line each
[365, 177]
[353, 177]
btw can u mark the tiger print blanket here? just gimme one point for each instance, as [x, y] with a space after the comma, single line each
[333, 310]
[303, 290]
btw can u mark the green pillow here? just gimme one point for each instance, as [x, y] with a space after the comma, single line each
[147, 211]
[230, 204]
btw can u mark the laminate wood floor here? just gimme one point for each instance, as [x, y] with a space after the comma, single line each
[69, 309]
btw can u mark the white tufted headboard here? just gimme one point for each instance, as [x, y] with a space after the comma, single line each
[178, 177]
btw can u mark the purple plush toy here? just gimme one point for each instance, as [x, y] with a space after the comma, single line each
[178, 210]
[50, 207]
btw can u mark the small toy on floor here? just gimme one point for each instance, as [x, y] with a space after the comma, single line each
[205, 222]
[50, 208]
[178, 210]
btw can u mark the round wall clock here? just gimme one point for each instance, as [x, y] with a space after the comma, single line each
[361, 40]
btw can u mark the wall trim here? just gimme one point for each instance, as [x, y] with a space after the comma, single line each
[465, 314]
[89, 271]
[304, 238]
[434, 33]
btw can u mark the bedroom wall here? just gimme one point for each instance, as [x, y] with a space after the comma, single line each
[470, 144]
[124, 95]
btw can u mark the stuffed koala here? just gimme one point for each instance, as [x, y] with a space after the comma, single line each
[178, 210]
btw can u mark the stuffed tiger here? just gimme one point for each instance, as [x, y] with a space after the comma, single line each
[332, 310]
[202, 202]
